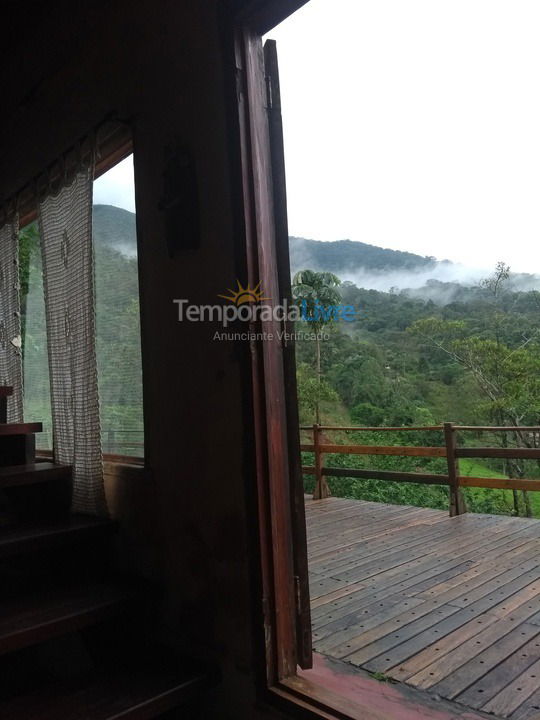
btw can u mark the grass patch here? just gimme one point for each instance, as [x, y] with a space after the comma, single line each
[479, 497]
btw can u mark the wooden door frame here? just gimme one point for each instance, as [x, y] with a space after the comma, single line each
[293, 693]
[273, 491]
[275, 503]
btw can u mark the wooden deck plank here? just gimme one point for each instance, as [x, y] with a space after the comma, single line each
[413, 539]
[362, 613]
[406, 575]
[502, 671]
[434, 661]
[466, 542]
[442, 656]
[484, 663]
[380, 593]
[515, 694]
[529, 709]
[449, 605]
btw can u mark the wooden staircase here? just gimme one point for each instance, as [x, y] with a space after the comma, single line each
[73, 632]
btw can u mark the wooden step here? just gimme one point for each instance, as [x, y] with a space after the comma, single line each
[47, 614]
[51, 536]
[16, 475]
[20, 428]
[134, 692]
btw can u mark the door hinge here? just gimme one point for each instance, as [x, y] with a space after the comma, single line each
[298, 594]
[269, 95]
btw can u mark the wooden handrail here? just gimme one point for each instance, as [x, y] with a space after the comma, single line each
[424, 478]
[427, 428]
[381, 429]
[403, 450]
[500, 483]
[498, 428]
[487, 452]
[455, 481]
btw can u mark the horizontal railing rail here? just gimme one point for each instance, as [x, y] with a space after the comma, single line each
[450, 450]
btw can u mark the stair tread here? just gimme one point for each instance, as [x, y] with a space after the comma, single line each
[31, 473]
[30, 620]
[20, 428]
[40, 536]
[141, 691]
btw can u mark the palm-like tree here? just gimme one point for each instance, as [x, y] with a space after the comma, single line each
[316, 289]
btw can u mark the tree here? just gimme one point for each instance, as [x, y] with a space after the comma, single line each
[317, 295]
[506, 374]
[312, 391]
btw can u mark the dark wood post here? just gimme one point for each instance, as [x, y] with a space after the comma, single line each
[5, 392]
[321, 486]
[318, 464]
[457, 503]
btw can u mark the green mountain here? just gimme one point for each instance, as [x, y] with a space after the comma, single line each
[115, 228]
[367, 266]
[346, 254]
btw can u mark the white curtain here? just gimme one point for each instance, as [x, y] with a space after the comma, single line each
[10, 318]
[65, 223]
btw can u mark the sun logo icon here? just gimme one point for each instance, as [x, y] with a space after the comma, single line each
[244, 294]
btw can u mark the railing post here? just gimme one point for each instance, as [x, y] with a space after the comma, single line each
[457, 503]
[321, 486]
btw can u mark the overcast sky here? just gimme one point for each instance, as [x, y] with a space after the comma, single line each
[410, 124]
[117, 186]
[415, 125]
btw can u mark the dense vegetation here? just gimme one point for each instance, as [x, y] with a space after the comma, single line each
[442, 352]
[411, 361]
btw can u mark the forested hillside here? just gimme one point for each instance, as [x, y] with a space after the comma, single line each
[384, 269]
[335, 256]
[433, 351]
[410, 361]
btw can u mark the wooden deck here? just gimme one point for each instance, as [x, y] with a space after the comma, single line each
[448, 605]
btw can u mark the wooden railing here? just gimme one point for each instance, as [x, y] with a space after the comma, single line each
[320, 446]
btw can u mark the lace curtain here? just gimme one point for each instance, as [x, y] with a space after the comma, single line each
[65, 223]
[10, 318]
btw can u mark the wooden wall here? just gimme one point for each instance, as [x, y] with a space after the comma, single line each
[190, 523]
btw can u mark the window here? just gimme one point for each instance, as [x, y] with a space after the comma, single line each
[118, 332]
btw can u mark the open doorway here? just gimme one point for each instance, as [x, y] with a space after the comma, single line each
[411, 156]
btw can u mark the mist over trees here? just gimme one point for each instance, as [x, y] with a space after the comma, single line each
[410, 361]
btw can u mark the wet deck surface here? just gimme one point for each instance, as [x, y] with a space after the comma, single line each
[448, 605]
